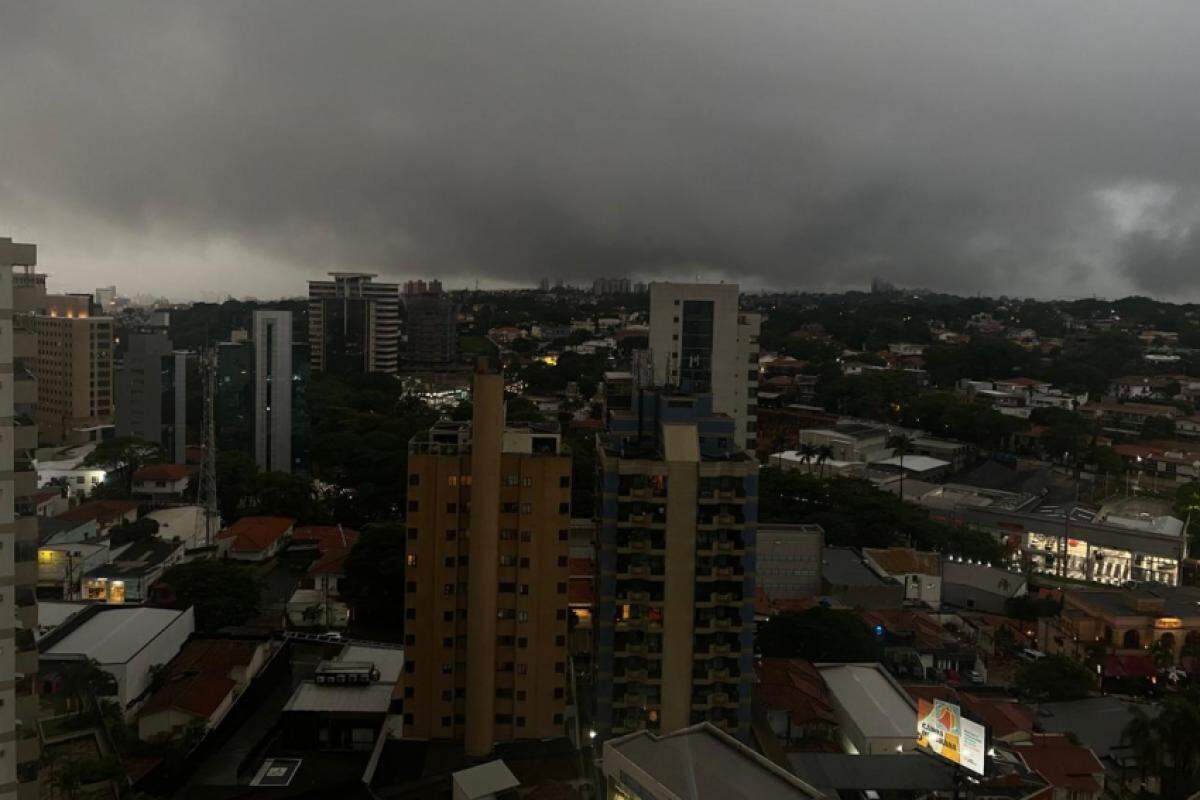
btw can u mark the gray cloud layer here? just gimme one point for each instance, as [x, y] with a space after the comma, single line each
[1020, 148]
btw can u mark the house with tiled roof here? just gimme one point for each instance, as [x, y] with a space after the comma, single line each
[200, 686]
[791, 700]
[919, 572]
[317, 600]
[161, 483]
[1073, 771]
[254, 538]
[105, 513]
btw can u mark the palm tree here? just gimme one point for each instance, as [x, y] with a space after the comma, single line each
[1141, 737]
[807, 451]
[824, 453]
[901, 444]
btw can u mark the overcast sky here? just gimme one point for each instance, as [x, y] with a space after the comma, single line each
[1048, 149]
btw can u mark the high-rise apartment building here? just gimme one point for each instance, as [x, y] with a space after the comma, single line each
[701, 342]
[260, 402]
[21, 295]
[74, 369]
[353, 324]
[152, 393]
[486, 597]
[675, 596]
[431, 325]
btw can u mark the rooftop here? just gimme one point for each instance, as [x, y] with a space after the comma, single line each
[842, 566]
[139, 558]
[255, 534]
[111, 634]
[373, 699]
[484, 780]
[912, 463]
[1097, 721]
[162, 472]
[877, 704]
[703, 763]
[102, 511]
[904, 560]
[834, 772]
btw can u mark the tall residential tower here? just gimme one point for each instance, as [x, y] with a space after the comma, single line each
[701, 342]
[353, 324]
[22, 295]
[489, 510]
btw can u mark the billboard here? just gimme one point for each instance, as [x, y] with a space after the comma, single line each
[942, 731]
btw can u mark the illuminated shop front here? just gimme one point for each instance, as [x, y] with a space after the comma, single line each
[1088, 562]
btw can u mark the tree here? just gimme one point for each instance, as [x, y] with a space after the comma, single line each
[818, 634]
[1054, 678]
[901, 445]
[375, 573]
[86, 681]
[236, 470]
[824, 453]
[1169, 743]
[807, 453]
[221, 592]
[134, 531]
[127, 453]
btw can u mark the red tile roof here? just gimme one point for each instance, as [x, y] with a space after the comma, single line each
[931, 692]
[1004, 717]
[255, 534]
[162, 472]
[903, 560]
[332, 563]
[326, 537]
[1062, 764]
[103, 511]
[197, 694]
[793, 685]
[45, 496]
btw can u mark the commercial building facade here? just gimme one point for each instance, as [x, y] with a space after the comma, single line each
[677, 534]
[353, 324]
[22, 293]
[152, 393]
[261, 387]
[702, 343]
[431, 327]
[487, 572]
[74, 369]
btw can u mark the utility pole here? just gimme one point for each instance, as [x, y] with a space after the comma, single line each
[206, 487]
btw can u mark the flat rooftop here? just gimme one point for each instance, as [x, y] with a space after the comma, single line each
[701, 763]
[114, 635]
[878, 706]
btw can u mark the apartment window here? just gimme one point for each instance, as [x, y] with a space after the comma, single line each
[460, 719]
[410, 639]
[410, 667]
[559, 667]
[560, 640]
[561, 613]
[526, 508]
[447, 588]
[448, 561]
[452, 480]
[563, 535]
[507, 587]
[562, 561]
[520, 694]
[447, 669]
[410, 613]
[508, 561]
[506, 613]
[504, 666]
[446, 722]
[411, 560]
[504, 694]
[526, 536]
[508, 508]
[507, 534]
[558, 718]
[510, 480]
[522, 616]
[522, 669]
[411, 586]
[504, 719]
[527, 481]
[564, 508]
[524, 588]
[520, 722]
[558, 693]
[562, 587]
[564, 482]
[412, 533]
[447, 616]
[447, 695]
[414, 479]
[413, 505]
[409, 692]
[504, 641]
[524, 562]
[408, 718]
[451, 534]
[451, 508]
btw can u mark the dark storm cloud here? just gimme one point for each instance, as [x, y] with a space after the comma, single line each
[1014, 148]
